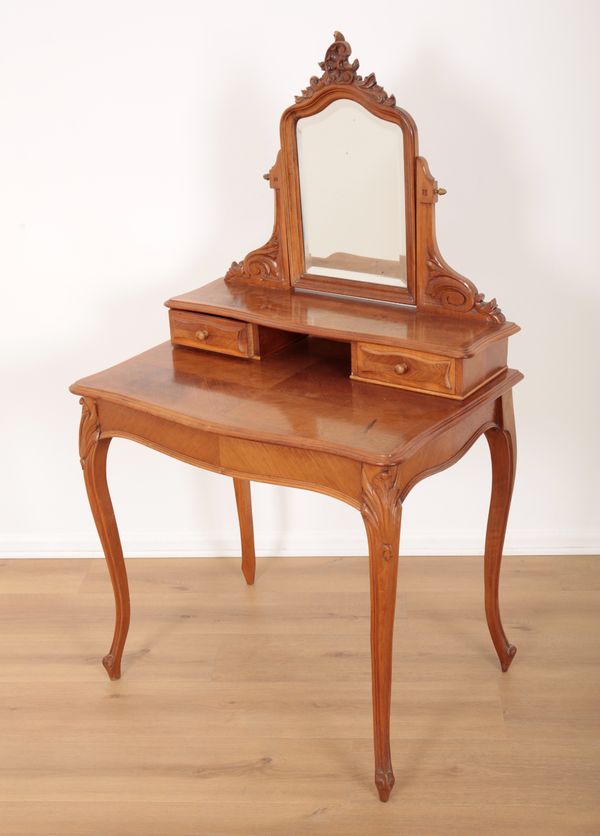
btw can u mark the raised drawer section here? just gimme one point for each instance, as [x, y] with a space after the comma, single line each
[213, 333]
[405, 369]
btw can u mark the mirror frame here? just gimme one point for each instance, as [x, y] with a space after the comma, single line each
[340, 80]
[432, 285]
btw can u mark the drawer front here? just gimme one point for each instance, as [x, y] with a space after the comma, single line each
[212, 333]
[405, 369]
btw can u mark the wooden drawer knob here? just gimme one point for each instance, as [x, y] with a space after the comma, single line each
[201, 335]
[401, 368]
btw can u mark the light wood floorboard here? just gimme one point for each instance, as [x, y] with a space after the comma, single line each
[246, 710]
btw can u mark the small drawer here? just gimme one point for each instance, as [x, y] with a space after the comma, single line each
[403, 368]
[213, 333]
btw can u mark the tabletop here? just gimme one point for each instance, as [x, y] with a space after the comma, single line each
[301, 396]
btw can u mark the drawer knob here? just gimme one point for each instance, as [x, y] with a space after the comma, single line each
[201, 335]
[401, 368]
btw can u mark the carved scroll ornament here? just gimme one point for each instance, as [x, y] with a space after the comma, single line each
[89, 429]
[261, 265]
[439, 286]
[337, 69]
[382, 507]
[456, 292]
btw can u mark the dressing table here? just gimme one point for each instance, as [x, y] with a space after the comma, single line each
[344, 356]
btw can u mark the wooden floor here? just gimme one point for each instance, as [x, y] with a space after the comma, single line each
[247, 710]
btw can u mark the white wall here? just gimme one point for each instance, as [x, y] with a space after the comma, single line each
[134, 135]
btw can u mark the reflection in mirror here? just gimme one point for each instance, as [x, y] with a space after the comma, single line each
[351, 168]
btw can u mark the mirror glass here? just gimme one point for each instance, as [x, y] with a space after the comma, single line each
[351, 167]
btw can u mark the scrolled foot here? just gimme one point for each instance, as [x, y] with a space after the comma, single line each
[113, 667]
[506, 660]
[384, 781]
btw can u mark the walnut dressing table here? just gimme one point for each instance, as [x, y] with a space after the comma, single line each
[344, 356]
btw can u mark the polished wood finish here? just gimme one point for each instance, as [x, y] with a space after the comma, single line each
[406, 369]
[420, 371]
[382, 513]
[296, 419]
[246, 710]
[440, 289]
[93, 451]
[263, 266]
[243, 500]
[502, 440]
[280, 262]
[307, 415]
[429, 296]
[340, 80]
[346, 320]
[213, 333]
[447, 356]
[431, 284]
[486, 364]
[300, 397]
[270, 340]
[227, 336]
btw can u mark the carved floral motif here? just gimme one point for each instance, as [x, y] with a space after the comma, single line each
[89, 428]
[337, 69]
[458, 293]
[382, 507]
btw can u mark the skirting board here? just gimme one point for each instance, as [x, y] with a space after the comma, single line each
[309, 544]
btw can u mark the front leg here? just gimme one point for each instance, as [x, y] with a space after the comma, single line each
[503, 448]
[382, 511]
[93, 451]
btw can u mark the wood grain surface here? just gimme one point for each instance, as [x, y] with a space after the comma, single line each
[345, 319]
[300, 397]
[166, 401]
[246, 709]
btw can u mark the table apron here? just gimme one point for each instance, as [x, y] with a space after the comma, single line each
[327, 473]
[446, 449]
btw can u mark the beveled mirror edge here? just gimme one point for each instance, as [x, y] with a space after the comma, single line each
[340, 80]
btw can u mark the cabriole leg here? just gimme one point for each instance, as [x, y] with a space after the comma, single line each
[503, 449]
[93, 451]
[381, 512]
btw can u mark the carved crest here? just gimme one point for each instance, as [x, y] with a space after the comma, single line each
[89, 428]
[337, 69]
[457, 293]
